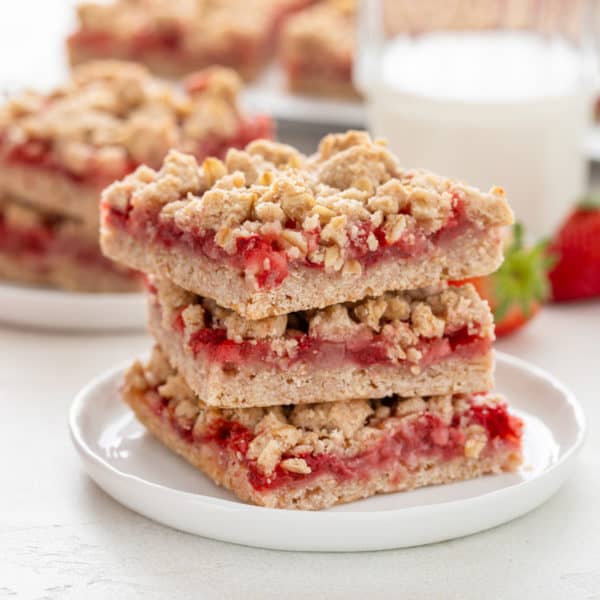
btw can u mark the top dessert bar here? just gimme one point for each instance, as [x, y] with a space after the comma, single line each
[270, 231]
[58, 151]
[175, 37]
[317, 48]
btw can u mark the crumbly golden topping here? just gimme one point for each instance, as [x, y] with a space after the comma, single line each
[289, 432]
[112, 114]
[402, 319]
[317, 207]
[326, 29]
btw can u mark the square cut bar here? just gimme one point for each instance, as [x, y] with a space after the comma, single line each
[44, 249]
[317, 49]
[174, 38]
[317, 455]
[418, 343]
[58, 151]
[270, 231]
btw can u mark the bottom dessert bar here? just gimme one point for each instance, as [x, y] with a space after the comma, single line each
[317, 455]
[42, 249]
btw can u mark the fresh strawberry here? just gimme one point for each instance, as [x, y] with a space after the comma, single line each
[516, 291]
[576, 275]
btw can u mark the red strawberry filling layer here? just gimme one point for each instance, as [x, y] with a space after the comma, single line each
[408, 443]
[264, 258]
[213, 346]
[167, 39]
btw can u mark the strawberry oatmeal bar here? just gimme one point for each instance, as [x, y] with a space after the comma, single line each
[175, 37]
[317, 49]
[314, 456]
[44, 249]
[58, 151]
[423, 342]
[270, 231]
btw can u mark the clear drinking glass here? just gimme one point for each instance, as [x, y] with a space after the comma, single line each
[493, 92]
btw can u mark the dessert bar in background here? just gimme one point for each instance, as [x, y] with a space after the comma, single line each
[317, 49]
[314, 456]
[417, 343]
[40, 248]
[58, 150]
[270, 231]
[174, 37]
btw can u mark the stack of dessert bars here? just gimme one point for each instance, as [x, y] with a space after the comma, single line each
[309, 349]
[59, 150]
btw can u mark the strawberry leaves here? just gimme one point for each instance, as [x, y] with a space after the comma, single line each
[522, 280]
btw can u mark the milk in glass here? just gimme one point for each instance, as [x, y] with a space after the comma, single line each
[492, 108]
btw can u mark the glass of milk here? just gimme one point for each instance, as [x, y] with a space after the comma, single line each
[493, 92]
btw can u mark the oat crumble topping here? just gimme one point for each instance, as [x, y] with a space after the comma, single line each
[113, 115]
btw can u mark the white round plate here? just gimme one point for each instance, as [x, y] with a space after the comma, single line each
[55, 309]
[139, 472]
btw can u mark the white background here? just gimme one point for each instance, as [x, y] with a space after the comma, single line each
[62, 538]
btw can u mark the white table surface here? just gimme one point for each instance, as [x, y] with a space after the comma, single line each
[61, 537]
